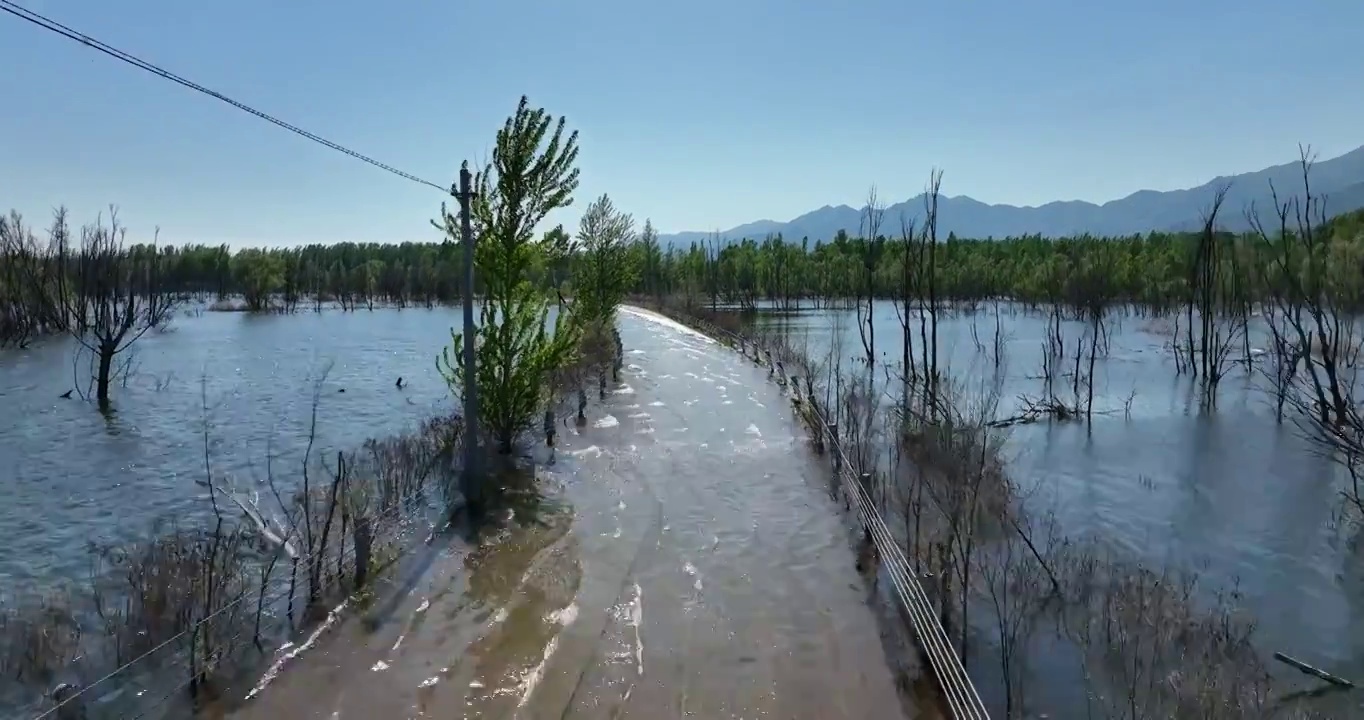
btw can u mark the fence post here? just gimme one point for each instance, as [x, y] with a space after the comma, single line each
[865, 480]
[362, 538]
[619, 361]
[73, 709]
[838, 449]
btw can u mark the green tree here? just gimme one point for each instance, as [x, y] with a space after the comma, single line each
[606, 268]
[533, 172]
[259, 274]
[649, 259]
[558, 249]
[604, 273]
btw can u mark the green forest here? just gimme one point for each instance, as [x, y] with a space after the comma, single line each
[1153, 270]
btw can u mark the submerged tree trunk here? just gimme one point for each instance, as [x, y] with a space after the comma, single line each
[102, 376]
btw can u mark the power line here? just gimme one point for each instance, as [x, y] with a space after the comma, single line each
[80, 37]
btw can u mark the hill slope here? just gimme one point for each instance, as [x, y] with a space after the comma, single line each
[1341, 179]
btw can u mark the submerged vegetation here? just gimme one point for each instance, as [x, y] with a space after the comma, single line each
[186, 612]
[924, 448]
[199, 604]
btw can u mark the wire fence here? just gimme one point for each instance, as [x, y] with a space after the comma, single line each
[959, 692]
[140, 675]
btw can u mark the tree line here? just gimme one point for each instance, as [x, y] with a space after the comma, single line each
[1152, 270]
[108, 293]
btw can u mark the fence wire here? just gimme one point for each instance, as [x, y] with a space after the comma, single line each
[404, 511]
[959, 692]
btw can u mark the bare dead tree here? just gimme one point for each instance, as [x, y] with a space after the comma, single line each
[927, 266]
[908, 287]
[110, 296]
[870, 230]
[26, 307]
[1211, 295]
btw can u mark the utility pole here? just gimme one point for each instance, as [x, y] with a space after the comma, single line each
[470, 482]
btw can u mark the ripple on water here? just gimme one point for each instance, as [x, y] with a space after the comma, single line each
[74, 476]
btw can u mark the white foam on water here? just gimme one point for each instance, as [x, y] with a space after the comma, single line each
[637, 619]
[753, 430]
[691, 570]
[645, 431]
[607, 421]
[591, 450]
[270, 674]
[656, 403]
[532, 678]
[564, 616]
[638, 415]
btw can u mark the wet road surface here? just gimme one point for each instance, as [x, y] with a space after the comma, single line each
[692, 566]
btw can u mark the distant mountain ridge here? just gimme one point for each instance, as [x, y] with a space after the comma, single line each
[1340, 179]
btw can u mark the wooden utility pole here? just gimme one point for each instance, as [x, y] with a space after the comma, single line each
[470, 482]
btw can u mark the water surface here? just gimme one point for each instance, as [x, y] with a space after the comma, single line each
[1231, 494]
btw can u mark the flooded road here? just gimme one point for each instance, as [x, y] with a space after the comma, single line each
[695, 567]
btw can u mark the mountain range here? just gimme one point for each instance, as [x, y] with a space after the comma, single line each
[1340, 180]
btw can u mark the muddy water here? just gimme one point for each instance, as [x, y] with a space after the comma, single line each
[694, 568]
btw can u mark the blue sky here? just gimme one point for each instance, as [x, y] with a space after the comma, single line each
[700, 115]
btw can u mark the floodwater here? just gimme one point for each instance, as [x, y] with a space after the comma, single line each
[1232, 495]
[69, 475]
[687, 561]
[702, 572]
[746, 593]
